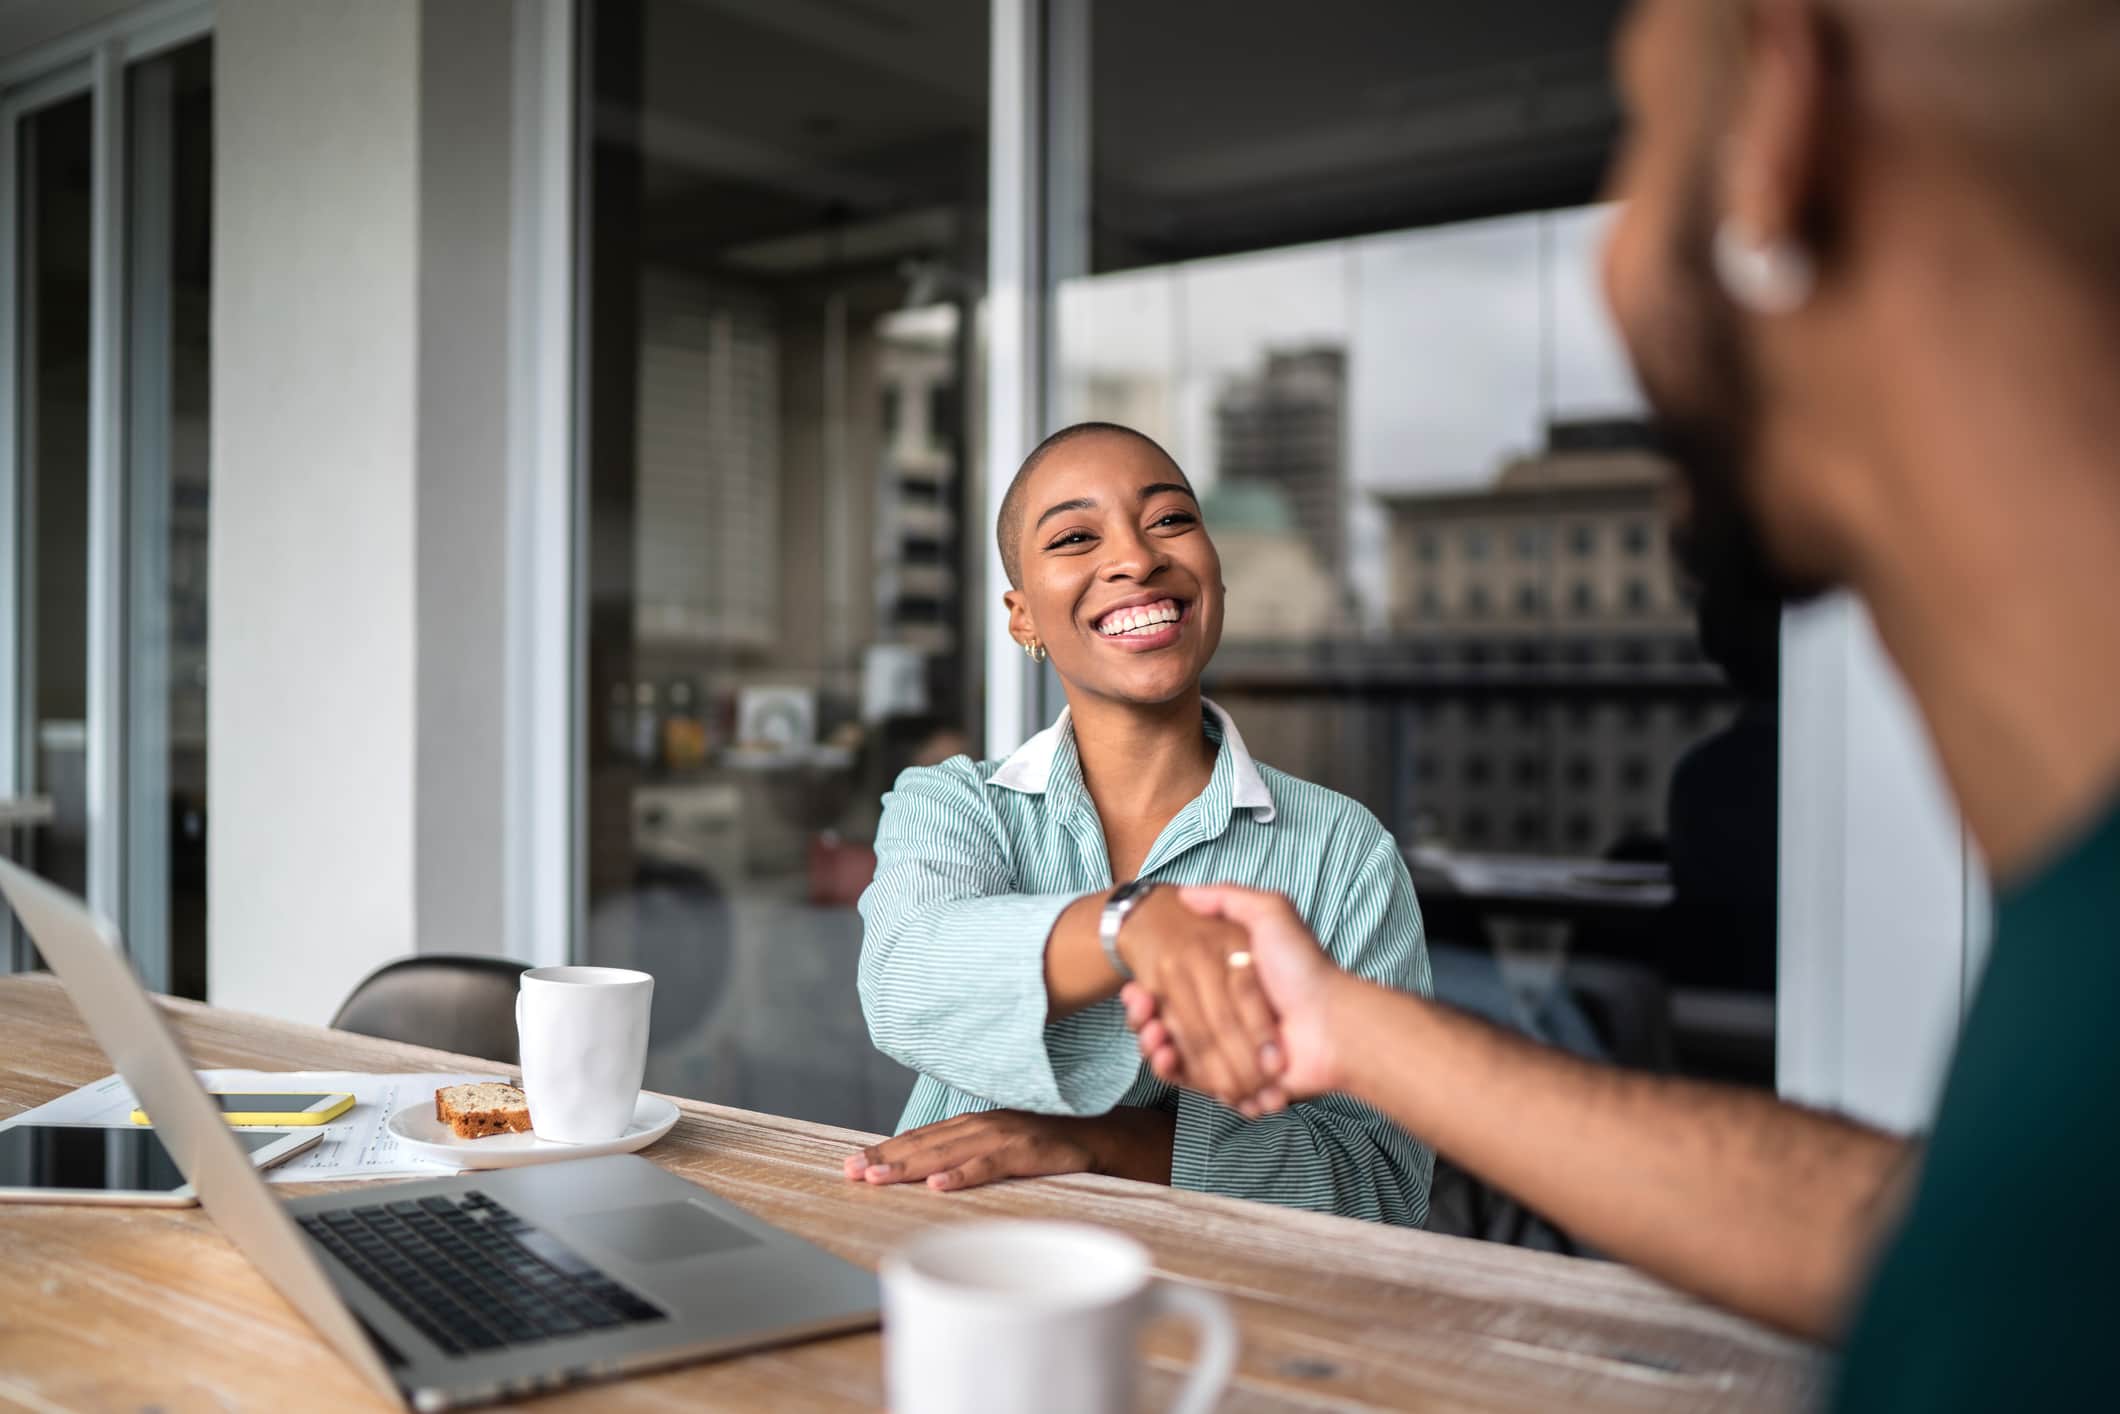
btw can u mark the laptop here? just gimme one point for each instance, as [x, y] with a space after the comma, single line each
[464, 1290]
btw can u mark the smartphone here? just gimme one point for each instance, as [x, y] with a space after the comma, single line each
[275, 1107]
[79, 1163]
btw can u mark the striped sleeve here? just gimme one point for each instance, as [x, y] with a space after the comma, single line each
[1330, 1154]
[953, 957]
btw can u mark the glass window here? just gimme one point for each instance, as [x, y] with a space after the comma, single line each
[55, 189]
[169, 206]
[1314, 257]
[786, 526]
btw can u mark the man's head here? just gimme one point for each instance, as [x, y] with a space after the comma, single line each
[1109, 567]
[1900, 148]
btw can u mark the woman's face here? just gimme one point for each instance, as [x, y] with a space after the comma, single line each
[1120, 582]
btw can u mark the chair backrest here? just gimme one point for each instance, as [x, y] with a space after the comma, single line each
[462, 1004]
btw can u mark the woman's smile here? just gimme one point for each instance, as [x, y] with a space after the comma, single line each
[1143, 623]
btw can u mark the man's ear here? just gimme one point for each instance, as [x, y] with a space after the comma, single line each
[1021, 627]
[1773, 162]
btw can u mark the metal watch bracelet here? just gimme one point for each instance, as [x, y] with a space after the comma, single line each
[1123, 900]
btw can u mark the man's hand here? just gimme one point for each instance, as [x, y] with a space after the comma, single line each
[1297, 981]
[988, 1147]
[1201, 971]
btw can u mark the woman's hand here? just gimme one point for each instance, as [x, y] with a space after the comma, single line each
[1200, 971]
[993, 1145]
[1298, 981]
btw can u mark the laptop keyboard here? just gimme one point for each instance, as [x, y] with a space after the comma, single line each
[473, 1276]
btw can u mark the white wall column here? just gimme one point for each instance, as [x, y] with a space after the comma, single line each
[1015, 332]
[312, 728]
[1882, 913]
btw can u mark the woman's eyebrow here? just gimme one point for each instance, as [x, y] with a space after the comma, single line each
[1159, 487]
[1080, 503]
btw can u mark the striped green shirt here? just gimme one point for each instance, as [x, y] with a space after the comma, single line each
[976, 861]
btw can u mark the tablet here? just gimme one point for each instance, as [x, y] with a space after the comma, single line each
[81, 1163]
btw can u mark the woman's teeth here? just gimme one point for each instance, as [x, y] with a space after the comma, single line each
[1140, 621]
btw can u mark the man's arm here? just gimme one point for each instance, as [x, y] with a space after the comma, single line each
[1766, 1208]
[1760, 1206]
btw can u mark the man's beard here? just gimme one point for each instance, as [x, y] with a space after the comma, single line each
[1704, 395]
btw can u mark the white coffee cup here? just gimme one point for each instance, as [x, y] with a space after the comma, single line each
[584, 1038]
[1009, 1317]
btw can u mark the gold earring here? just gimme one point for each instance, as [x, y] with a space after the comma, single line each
[1035, 651]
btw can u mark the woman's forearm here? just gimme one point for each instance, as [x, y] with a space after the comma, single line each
[1132, 1142]
[1076, 972]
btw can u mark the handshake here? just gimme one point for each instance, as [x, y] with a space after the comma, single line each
[1231, 996]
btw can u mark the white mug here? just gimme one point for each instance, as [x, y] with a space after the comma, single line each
[584, 1038]
[1013, 1317]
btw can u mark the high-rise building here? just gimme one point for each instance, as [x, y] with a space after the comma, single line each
[1286, 428]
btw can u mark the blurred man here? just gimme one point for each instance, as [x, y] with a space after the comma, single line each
[1869, 270]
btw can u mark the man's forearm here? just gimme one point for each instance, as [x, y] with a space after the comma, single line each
[1764, 1207]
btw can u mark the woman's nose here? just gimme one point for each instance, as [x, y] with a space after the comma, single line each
[1133, 556]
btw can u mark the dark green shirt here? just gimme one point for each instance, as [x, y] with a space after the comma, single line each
[2002, 1290]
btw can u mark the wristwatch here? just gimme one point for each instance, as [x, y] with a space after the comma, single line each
[1123, 900]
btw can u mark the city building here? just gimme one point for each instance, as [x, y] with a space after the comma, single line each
[1552, 602]
[1278, 591]
[1286, 428]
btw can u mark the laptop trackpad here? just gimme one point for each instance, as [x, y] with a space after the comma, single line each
[665, 1232]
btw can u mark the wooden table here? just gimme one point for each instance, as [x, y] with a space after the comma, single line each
[151, 1308]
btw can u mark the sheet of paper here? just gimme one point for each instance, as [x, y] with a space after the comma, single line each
[355, 1145]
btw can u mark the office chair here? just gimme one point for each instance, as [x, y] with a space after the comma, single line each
[462, 1004]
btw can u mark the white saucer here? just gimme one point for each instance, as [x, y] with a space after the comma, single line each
[419, 1131]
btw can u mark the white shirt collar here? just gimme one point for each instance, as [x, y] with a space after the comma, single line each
[1030, 769]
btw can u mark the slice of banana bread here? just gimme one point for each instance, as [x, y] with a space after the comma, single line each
[477, 1111]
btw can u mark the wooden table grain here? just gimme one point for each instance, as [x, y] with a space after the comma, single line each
[151, 1308]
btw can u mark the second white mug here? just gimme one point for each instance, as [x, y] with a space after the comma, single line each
[584, 1038]
[1036, 1318]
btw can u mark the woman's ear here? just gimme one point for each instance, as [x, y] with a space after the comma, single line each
[1021, 626]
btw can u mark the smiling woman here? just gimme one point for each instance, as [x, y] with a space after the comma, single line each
[996, 942]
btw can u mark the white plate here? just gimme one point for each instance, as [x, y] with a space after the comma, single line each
[418, 1130]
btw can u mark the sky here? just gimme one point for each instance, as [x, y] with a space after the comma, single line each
[1462, 342]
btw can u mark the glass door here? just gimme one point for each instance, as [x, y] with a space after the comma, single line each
[168, 285]
[105, 259]
[53, 196]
